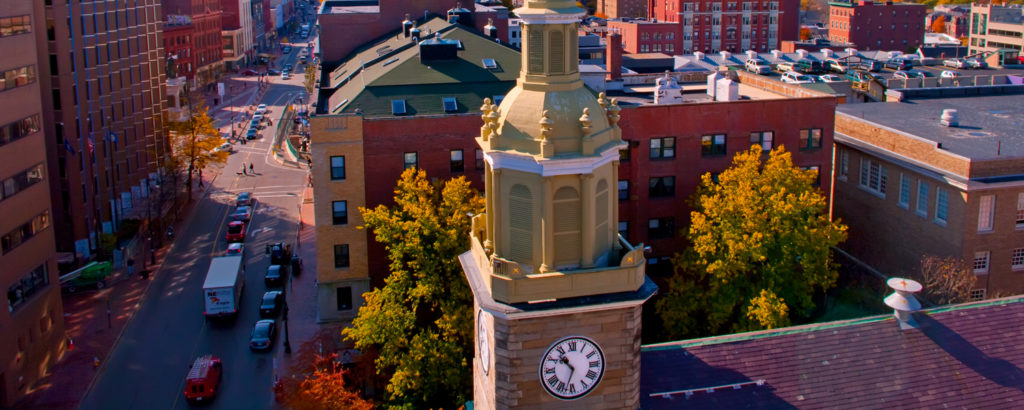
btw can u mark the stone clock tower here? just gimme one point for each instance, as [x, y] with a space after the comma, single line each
[558, 294]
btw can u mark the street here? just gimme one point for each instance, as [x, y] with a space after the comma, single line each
[147, 367]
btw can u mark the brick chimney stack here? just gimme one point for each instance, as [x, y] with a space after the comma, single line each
[613, 55]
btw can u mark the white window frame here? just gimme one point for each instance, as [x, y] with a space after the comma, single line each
[873, 177]
[904, 197]
[1020, 210]
[1017, 259]
[922, 199]
[986, 213]
[941, 206]
[982, 260]
[977, 294]
[844, 164]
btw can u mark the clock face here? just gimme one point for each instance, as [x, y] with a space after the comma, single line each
[481, 341]
[572, 367]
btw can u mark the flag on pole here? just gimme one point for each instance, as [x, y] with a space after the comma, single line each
[67, 146]
[112, 136]
[90, 144]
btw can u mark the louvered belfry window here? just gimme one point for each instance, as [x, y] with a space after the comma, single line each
[567, 228]
[601, 219]
[535, 49]
[520, 206]
[556, 50]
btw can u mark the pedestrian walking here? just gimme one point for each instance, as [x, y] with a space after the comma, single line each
[131, 267]
[250, 169]
[243, 168]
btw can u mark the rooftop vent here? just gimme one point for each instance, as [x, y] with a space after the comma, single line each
[850, 51]
[437, 49]
[777, 54]
[751, 55]
[460, 15]
[725, 55]
[414, 33]
[698, 55]
[903, 301]
[950, 118]
[802, 53]
[827, 53]
[406, 26]
[490, 30]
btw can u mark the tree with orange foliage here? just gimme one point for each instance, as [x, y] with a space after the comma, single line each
[805, 33]
[318, 381]
[939, 24]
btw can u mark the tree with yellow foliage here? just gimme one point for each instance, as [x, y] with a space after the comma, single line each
[761, 247]
[194, 142]
[420, 323]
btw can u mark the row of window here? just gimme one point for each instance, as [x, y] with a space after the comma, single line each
[23, 233]
[21, 181]
[715, 144]
[982, 260]
[17, 77]
[715, 21]
[19, 129]
[10, 26]
[23, 289]
[747, 6]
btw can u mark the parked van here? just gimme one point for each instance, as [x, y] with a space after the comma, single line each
[809, 66]
[756, 68]
[203, 379]
[94, 275]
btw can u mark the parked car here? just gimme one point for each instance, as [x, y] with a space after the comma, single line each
[262, 108]
[203, 379]
[830, 78]
[784, 67]
[954, 62]
[873, 66]
[793, 77]
[280, 253]
[262, 336]
[235, 232]
[273, 71]
[271, 303]
[234, 249]
[255, 124]
[949, 74]
[809, 66]
[899, 64]
[920, 74]
[251, 134]
[286, 49]
[244, 199]
[225, 147]
[976, 63]
[903, 75]
[286, 75]
[757, 68]
[242, 213]
[257, 117]
[249, 72]
[274, 276]
[836, 66]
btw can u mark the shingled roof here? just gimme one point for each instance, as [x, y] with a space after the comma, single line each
[962, 356]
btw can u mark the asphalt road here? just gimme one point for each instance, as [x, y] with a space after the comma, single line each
[147, 367]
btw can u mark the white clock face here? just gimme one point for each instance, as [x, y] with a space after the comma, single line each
[572, 367]
[481, 341]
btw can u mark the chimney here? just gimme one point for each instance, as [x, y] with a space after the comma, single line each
[726, 56]
[698, 55]
[802, 53]
[751, 55]
[490, 30]
[950, 118]
[827, 53]
[776, 54]
[903, 302]
[406, 26]
[613, 55]
[414, 33]
[851, 51]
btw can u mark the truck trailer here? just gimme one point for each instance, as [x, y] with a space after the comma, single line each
[222, 290]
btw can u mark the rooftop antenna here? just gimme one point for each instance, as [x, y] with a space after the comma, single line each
[903, 301]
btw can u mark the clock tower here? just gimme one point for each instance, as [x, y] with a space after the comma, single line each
[557, 292]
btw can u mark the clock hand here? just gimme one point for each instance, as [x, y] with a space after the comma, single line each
[572, 370]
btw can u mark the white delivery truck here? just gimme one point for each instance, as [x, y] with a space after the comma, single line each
[222, 289]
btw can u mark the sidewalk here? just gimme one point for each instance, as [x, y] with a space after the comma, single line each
[302, 297]
[94, 321]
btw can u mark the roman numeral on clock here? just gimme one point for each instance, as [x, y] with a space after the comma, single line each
[591, 354]
[591, 374]
[552, 381]
[561, 387]
[595, 363]
[550, 370]
[572, 346]
[560, 350]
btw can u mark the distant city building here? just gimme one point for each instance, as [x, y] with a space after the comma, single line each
[721, 25]
[32, 330]
[622, 8]
[515, 33]
[877, 26]
[956, 19]
[998, 29]
[349, 25]
[192, 37]
[237, 43]
[104, 95]
[909, 186]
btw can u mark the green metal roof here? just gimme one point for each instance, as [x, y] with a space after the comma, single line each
[391, 70]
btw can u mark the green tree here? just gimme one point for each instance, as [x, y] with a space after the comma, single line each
[194, 143]
[761, 246]
[420, 322]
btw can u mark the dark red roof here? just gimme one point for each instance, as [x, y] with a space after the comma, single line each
[963, 356]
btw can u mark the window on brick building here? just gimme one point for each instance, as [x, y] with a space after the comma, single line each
[623, 190]
[663, 147]
[341, 256]
[978, 294]
[456, 162]
[662, 187]
[624, 153]
[904, 199]
[873, 176]
[980, 264]
[344, 301]
[941, 205]
[658, 228]
[764, 139]
[712, 145]
[410, 160]
[810, 138]
[624, 229]
[339, 212]
[922, 198]
[844, 164]
[337, 167]
[986, 211]
[479, 159]
[1020, 210]
[1017, 259]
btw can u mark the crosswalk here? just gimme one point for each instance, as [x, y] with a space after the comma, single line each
[274, 191]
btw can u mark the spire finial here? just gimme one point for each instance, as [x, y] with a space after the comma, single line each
[613, 113]
[585, 122]
[545, 125]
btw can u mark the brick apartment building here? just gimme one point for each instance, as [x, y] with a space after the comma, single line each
[369, 148]
[33, 327]
[643, 36]
[908, 186]
[877, 26]
[104, 96]
[998, 29]
[734, 26]
[621, 8]
[350, 26]
[192, 34]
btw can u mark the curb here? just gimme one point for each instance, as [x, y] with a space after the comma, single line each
[131, 318]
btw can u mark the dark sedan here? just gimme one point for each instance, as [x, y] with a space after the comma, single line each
[271, 303]
[263, 332]
[242, 213]
[275, 276]
[244, 199]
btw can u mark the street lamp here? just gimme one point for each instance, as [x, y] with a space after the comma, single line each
[287, 342]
